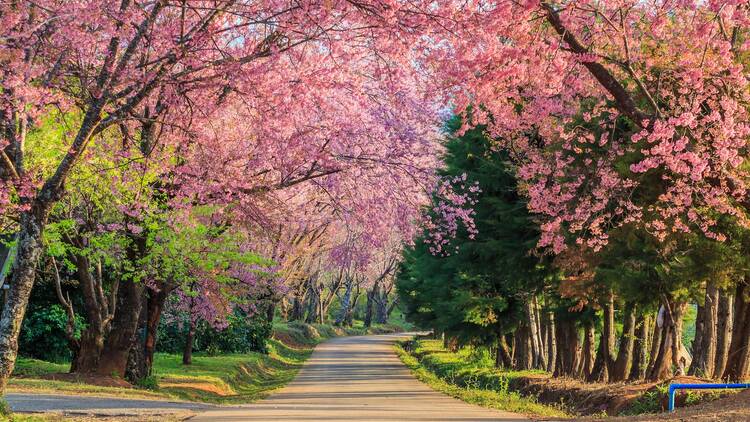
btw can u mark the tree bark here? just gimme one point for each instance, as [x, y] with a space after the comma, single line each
[587, 356]
[346, 300]
[187, 353]
[568, 348]
[640, 349]
[704, 344]
[99, 310]
[622, 365]
[503, 358]
[552, 342]
[313, 303]
[368, 307]
[537, 352]
[655, 343]
[123, 335]
[670, 349]
[22, 275]
[738, 359]
[725, 317]
[522, 347]
[604, 362]
[154, 309]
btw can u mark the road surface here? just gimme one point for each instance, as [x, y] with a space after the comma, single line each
[98, 406]
[356, 379]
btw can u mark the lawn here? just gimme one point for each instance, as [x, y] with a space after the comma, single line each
[224, 379]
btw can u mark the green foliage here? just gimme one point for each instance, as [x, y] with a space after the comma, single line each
[148, 383]
[244, 334]
[478, 292]
[43, 334]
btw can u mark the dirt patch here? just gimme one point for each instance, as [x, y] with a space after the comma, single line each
[594, 398]
[289, 340]
[735, 407]
[192, 385]
[93, 379]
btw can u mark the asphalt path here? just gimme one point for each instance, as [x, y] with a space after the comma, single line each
[356, 379]
[345, 379]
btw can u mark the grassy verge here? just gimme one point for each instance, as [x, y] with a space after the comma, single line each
[224, 379]
[468, 375]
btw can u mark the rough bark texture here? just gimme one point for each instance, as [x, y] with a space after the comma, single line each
[551, 342]
[522, 347]
[23, 271]
[587, 355]
[368, 307]
[346, 304]
[669, 353]
[725, 316]
[640, 349]
[704, 344]
[738, 359]
[568, 347]
[187, 353]
[99, 311]
[114, 358]
[503, 358]
[655, 343]
[154, 308]
[536, 347]
[604, 362]
[624, 361]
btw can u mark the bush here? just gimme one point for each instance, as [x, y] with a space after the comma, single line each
[244, 334]
[43, 334]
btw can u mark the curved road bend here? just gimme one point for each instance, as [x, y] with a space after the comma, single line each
[356, 379]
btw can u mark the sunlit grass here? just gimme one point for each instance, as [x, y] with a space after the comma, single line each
[223, 379]
[470, 375]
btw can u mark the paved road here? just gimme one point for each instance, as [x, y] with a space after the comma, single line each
[100, 406]
[356, 379]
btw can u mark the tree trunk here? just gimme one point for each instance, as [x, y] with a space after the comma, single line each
[98, 311]
[297, 309]
[123, 334]
[696, 347]
[381, 307]
[313, 303]
[738, 359]
[343, 315]
[154, 308]
[502, 353]
[551, 342]
[640, 349]
[568, 348]
[655, 343]
[22, 274]
[187, 353]
[522, 347]
[368, 307]
[588, 358]
[704, 345]
[671, 341]
[537, 353]
[725, 317]
[271, 310]
[622, 365]
[604, 361]
[136, 369]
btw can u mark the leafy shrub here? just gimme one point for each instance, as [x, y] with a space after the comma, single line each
[43, 334]
[149, 383]
[244, 334]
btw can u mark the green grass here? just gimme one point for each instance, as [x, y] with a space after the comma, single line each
[224, 379]
[469, 375]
